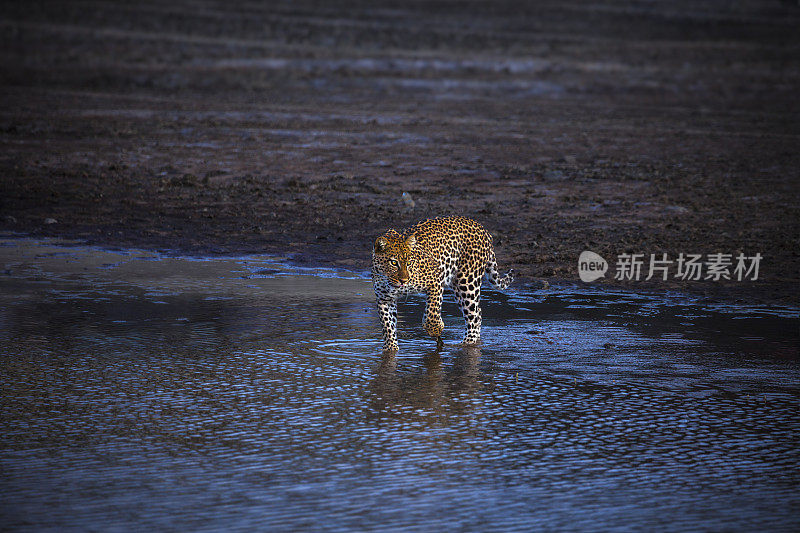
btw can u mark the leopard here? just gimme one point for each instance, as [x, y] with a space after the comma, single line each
[452, 252]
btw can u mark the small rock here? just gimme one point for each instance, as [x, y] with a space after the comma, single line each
[554, 175]
[50, 221]
[570, 159]
[678, 209]
[410, 203]
[539, 284]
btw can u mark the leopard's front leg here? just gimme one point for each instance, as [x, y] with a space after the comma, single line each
[432, 321]
[387, 306]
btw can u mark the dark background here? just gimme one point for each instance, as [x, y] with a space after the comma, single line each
[293, 128]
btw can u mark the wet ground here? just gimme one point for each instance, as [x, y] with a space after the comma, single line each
[295, 127]
[174, 393]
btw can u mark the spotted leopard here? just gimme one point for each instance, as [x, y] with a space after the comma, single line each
[452, 252]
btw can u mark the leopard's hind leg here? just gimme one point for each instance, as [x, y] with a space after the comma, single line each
[468, 294]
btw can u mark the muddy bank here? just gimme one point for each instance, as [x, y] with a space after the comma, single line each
[295, 129]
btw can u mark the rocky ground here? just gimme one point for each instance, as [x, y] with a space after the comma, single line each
[294, 128]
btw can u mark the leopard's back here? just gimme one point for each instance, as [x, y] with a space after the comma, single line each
[451, 247]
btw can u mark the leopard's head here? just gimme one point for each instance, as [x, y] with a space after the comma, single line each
[391, 257]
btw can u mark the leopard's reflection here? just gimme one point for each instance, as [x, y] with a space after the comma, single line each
[438, 386]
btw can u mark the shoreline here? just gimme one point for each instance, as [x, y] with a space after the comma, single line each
[708, 294]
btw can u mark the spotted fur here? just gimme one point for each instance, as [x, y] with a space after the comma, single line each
[452, 252]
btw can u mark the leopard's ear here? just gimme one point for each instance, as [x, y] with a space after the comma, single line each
[380, 244]
[411, 241]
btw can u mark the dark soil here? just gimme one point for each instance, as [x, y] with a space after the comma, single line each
[294, 128]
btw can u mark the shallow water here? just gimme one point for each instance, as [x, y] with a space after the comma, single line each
[140, 390]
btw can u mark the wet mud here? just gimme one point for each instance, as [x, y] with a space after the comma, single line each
[294, 128]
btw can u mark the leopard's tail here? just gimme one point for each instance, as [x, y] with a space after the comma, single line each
[500, 282]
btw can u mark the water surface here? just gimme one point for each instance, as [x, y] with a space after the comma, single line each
[145, 391]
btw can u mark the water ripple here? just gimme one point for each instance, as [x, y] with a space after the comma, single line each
[229, 408]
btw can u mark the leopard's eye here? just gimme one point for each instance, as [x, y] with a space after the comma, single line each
[394, 262]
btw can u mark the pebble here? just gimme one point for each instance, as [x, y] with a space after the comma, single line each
[554, 175]
[679, 209]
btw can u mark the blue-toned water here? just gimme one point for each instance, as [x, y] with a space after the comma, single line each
[143, 391]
